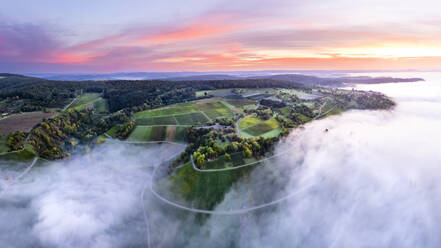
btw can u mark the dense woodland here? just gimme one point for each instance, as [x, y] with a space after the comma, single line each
[22, 94]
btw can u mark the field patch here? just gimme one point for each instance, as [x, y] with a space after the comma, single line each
[160, 120]
[22, 122]
[249, 121]
[85, 101]
[140, 133]
[191, 119]
[176, 109]
[101, 106]
[158, 133]
[180, 133]
[171, 133]
[195, 118]
[254, 127]
[214, 109]
[3, 140]
[204, 190]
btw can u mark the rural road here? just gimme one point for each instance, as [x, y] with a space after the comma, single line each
[25, 171]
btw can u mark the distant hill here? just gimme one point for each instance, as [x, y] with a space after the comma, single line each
[323, 78]
[338, 81]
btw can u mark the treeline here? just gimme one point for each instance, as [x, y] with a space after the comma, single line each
[123, 131]
[53, 138]
[16, 140]
[36, 93]
[204, 147]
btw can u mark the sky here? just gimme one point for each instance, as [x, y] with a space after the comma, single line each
[99, 36]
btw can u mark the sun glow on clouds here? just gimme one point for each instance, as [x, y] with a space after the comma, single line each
[246, 36]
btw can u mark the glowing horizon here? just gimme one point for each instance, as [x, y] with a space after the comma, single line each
[219, 35]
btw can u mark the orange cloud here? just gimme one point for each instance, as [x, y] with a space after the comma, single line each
[203, 27]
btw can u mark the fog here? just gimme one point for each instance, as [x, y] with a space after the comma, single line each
[87, 201]
[372, 180]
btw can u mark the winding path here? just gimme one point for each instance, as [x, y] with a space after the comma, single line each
[25, 171]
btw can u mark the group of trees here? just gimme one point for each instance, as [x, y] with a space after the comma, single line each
[263, 112]
[272, 104]
[203, 145]
[248, 147]
[52, 138]
[123, 131]
[16, 140]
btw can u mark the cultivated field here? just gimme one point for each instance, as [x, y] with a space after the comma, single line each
[186, 114]
[158, 133]
[176, 109]
[214, 109]
[252, 126]
[86, 101]
[22, 122]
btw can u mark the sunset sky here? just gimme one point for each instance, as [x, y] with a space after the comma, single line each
[85, 36]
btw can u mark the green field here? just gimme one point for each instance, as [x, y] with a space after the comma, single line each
[3, 147]
[190, 113]
[162, 120]
[158, 133]
[209, 92]
[176, 109]
[195, 118]
[204, 190]
[148, 133]
[249, 121]
[252, 126]
[214, 109]
[180, 133]
[191, 119]
[101, 106]
[85, 99]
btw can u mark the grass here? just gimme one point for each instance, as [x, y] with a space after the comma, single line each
[249, 121]
[101, 106]
[158, 133]
[196, 118]
[3, 147]
[204, 190]
[175, 109]
[140, 133]
[191, 119]
[162, 120]
[209, 92]
[148, 133]
[85, 99]
[214, 109]
[286, 111]
[252, 126]
[112, 131]
[180, 133]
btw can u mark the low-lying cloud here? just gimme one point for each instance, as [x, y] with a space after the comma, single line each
[88, 201]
